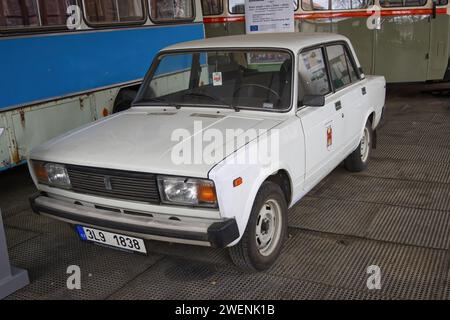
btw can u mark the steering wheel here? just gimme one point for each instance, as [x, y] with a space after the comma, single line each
[249, 85]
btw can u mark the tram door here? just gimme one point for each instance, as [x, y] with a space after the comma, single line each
[402, 47]
[439, 37]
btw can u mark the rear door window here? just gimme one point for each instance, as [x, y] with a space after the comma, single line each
[341, 75]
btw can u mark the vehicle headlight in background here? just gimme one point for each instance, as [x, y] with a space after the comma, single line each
[52, 174]
[187, 191]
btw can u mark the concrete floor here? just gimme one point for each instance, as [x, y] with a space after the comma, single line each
[395, 215]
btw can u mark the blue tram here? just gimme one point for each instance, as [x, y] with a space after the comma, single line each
[64, 63]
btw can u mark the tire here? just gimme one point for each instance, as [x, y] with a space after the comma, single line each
[255, 252]
[123, 100]
[358, 160]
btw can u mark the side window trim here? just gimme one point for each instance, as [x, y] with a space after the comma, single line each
[350, 63]
[327, 63]
[347, 63]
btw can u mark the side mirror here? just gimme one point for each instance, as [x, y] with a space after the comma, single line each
[314, 100]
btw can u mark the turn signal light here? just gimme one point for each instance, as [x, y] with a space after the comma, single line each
[40, 171]
[206, 193]
[237, 182]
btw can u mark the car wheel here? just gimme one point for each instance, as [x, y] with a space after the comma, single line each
[358, 160]
[265, 232]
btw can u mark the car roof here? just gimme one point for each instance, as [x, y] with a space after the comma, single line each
[294, 41]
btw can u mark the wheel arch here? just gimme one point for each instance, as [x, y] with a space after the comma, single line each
[282, 179]
[243, 202]
[372, 118]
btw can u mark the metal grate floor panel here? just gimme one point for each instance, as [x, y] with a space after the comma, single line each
[409, 170]
[405, 193]
[416, 227]
[185, 279]
[333, 216]
[16, 237]
[337, 261]
[27, 220]
[428, 153]
[102, 270]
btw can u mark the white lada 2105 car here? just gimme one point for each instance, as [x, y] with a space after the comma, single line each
[223, 137]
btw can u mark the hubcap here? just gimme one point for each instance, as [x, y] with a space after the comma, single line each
[365, 147]
[268, 227]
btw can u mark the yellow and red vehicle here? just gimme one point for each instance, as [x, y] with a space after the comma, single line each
[404, 40]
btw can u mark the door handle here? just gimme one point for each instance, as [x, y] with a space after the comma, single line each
[338, 105]
[364, 91]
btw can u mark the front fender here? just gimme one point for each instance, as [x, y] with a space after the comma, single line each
[237, 202]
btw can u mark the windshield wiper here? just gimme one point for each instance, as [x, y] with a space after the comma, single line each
[204, 95]
[154, 102]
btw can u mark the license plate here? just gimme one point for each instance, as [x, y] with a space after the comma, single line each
[112, 239]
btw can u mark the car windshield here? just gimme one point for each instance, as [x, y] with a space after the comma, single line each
[257, 79]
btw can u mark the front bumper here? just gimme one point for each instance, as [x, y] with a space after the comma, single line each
[196, 231]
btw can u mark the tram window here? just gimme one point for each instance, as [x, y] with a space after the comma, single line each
[33, 13]
[337, 59]
[54, 12]
[349, 4]
[171, 10]
[313, 74]
[403, 3]
[15, 13]
[238, 6]
[212, 7]
[313, 5]
[112, 11]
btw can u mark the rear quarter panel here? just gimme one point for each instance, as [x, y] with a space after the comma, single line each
[376, 97]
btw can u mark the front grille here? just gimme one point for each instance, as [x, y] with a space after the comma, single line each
[115, 184]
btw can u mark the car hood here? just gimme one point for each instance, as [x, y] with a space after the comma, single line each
[145, 141]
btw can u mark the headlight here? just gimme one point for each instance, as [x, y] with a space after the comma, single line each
[187, 191]
[53, 174]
